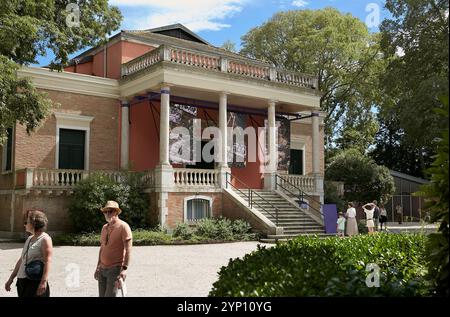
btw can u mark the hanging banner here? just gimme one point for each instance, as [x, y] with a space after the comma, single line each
[181, 133]
[236, 139]
[284, 143]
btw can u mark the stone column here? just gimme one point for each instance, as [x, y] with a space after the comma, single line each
[271, 168]
[125, 134]
[318, 177]
[315, 143]
[223, 164]
[164, 171]
[164, 126]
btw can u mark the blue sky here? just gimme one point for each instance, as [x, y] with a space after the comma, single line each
[219, 20]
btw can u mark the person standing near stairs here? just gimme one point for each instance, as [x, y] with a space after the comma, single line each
[352, 225]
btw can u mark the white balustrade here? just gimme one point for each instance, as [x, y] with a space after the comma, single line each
[193, 58]
[217, 62]
[305, 183]
[148, 180]
[296, 79]
[57, 178]
[187, 177]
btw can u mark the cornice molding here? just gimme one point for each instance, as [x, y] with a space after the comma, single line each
[71, 82]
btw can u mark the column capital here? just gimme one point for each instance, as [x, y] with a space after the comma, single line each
[224, 93]
[315, 113]
[272, 102]
[125, 102]
[165, 86]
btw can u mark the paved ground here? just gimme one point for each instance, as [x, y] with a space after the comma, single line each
[424, 227]
[188, 270]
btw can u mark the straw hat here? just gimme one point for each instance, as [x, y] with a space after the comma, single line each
[111, 204]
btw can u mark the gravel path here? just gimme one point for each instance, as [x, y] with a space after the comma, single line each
[186, 270]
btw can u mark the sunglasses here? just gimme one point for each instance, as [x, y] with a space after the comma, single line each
[110, 211]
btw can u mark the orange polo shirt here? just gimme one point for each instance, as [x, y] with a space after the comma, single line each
[112, 241]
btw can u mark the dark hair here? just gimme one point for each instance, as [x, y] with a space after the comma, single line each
[350, 204]
[38, 219]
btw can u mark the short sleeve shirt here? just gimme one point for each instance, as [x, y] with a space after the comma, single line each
[341, 223]
[112, 241]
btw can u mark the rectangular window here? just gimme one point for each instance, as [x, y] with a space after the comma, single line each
[198, 209]
[71, 149]
[296, 162]
[7, 151]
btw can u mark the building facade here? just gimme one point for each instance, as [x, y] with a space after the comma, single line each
[118, 107]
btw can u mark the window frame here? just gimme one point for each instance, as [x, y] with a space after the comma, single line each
[73, 122]
[5, 152]
[299, 143]
[186, 199]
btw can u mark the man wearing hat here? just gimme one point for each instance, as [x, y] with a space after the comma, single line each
[114, 255]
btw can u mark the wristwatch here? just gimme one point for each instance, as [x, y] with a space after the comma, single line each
[124, 267]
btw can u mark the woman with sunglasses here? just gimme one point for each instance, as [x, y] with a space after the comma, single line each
[37, 256]
[115, 249]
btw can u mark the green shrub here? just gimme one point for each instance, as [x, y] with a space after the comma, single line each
[328, 267]
[92, 193]
[362, 227]
[217, 229]
[183, 231]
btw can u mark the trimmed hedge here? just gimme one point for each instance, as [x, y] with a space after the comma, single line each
[333, 266]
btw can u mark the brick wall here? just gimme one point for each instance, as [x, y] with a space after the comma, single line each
[176, 206]
[39, 148]
[232, 210]
[305, 130]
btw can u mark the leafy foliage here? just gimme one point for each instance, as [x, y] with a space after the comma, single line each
[415, 45]
[332, 196]
[364, 180]
[92, 193]
[337, 48]
[19, 100]
[29, 29]
[437, 204]
[215, 229]
[328, 267]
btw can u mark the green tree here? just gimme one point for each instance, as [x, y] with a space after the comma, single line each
[415, 45]
[229, 46]
[29, 29]
[337, 48]
[363, 179]
[437, 203]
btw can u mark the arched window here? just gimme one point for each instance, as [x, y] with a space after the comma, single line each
[196, 208]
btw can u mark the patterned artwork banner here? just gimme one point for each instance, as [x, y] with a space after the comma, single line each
[181, 116]
[284, 141]
[236, 157]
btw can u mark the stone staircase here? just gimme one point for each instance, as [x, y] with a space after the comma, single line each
[292, 219]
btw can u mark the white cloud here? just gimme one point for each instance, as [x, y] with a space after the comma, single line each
[300, 3]
[196, 15]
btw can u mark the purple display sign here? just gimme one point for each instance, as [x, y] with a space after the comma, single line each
[329, 217]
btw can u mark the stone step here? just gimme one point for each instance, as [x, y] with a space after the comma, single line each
[303, 230]
[290, 236]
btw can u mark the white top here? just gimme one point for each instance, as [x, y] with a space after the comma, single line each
[369, 213]
[34, 253]
[383, 212]
[351, 212]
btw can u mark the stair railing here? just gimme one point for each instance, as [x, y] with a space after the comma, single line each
[250, 194]
[281, 182]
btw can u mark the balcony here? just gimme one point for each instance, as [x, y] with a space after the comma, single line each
[211, 62]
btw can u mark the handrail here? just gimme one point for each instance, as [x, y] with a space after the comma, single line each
[251, 192]
[301, 194]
